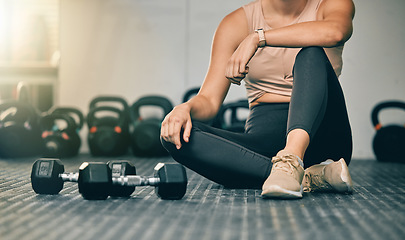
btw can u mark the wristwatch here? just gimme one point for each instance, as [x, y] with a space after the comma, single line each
[262, 39]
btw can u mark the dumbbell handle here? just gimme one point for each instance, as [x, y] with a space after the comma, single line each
[122, 180]
[69, 177]
[133, 180]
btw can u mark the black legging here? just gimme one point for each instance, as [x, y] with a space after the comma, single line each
[243, 160]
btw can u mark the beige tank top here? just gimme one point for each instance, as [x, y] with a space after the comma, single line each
[270, 69]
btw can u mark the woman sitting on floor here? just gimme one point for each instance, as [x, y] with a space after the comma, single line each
[290, 52]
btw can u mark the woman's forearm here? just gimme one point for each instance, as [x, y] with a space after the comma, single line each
[333, 27]
[316, 33]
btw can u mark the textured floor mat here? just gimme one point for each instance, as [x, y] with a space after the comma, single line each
[376, 209]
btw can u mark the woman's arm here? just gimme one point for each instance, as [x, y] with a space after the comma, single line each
[333, 27]
[230, 32]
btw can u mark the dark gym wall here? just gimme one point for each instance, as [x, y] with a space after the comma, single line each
[137, 47]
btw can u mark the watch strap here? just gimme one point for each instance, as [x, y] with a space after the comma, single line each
[262, 38]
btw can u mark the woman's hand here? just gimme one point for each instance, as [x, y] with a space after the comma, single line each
[236, 68]
[179, 118]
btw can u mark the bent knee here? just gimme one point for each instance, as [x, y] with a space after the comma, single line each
[310, 52]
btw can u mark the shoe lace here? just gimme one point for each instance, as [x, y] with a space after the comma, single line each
[285, 163]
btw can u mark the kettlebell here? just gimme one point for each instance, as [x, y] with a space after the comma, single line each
[235, 124]
[75, 113]
[107, 134]
[389, 141]
[59, 141]
[20, 134]
[78, 119]
[113, 101]
[145, 137]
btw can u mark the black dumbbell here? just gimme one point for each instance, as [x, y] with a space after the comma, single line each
[169, 179]
[94, 179]
[97, 181]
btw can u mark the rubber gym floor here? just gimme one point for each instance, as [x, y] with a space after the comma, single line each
[376, 209]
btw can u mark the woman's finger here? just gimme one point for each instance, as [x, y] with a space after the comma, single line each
[187, 131]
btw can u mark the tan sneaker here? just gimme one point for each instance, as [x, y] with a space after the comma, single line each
[328, 176]
[285, 177]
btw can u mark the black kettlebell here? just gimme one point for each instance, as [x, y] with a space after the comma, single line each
[146, 131]
[107, 134]
[113, 101]
[235, 124]
[75, 113]
[78, 118]
[60, 141]
[20, 134]
[389, 141]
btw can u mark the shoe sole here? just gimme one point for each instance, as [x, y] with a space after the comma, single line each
[278, 192]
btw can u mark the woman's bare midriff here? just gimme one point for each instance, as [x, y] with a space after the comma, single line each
[271, 98]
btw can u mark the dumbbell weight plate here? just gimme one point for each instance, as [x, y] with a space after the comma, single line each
[173, 181]
[94, 181]
[121, 168]
[45, 176]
